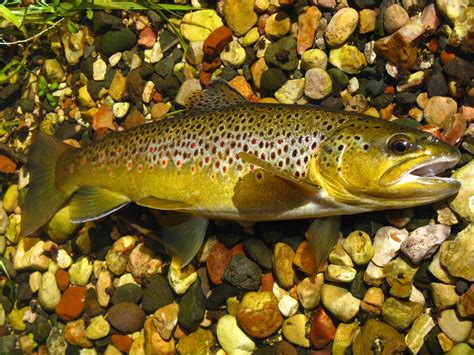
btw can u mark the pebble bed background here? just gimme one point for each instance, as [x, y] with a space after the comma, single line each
[398, 281]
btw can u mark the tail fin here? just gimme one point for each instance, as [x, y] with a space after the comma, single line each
[43, 198]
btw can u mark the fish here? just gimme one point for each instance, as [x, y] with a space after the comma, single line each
[230, 159]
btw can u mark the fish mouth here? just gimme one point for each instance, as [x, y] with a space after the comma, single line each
[426, 170]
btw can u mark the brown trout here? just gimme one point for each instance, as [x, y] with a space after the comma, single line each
[227, 158]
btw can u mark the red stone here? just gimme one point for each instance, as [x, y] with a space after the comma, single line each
[210, 66]
[122, 342]
[322, 329]
[62, 279]
[7, 166]
[217, 261]
[304, 259]
[455, 128]
[147, 37]
[267, 282]
[71, 305]
[104, 118]
[238, 249]
[217, 41]
[205, 78]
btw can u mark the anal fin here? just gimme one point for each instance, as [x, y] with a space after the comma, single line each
[161, 204]
[183, 241]
[322, 236]
[92, 202]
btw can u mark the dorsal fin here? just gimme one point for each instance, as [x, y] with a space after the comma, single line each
[217, 96]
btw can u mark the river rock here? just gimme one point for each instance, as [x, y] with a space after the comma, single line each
[197, 26]
[458, 255]
[243, 273]
[344, 337]
[318, 84]
[232, 339]
[240, 16]
[278, 24]
[340, 302]
[283, 264]
[368, 19]
[290, 91]
[416, 336]
[387, 243]
[308, 22]
[444, 296]
[126, 317]
[258, 314]
[400, 314]
[423, 242]
[322, 329]
[456, 329]
[117, 41]
[375, 329]
[309, 291]
[347, 58]
[338, 273]
[294, 330]
[314, 58]
[463, 203]
[452, 9]
[282, 54]
[49, 294]
[439, 109]
[465, 304]
[359, 247]
[341, 26]
[71, 305]
[394, 17]
[400, 275]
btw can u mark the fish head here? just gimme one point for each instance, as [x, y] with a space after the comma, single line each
[378, 164]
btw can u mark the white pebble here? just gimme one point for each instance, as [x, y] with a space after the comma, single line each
[288, 306]
[155, 54]
[98, 69]
[353, 85]
[148, 90]
[120, 109]
[114, 59]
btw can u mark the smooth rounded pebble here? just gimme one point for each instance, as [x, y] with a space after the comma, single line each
[456, 329]
[340, 302]
[341, 26]
[232, 339]
[318, 84]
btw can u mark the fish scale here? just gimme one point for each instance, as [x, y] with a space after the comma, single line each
[211, 143]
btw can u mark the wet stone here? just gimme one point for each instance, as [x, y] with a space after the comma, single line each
[117, 41]
[71, 305]
[157, 293]
[256, 250]
[243, 273]
[219, 295]
[126, 317]
[127, 293]
[191, 307]
[322, 329]
[258, 314]
[282, 54]
[373, 329]
[400, 314]
[283, 257]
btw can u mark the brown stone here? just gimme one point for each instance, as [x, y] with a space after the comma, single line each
[154, 343]
[308, 22]
[258, 314]
[304, 259]
[147, 37]
[71, 305]
[283, 264]
[122, 342]
[216, 41]
[322, 330]
[210, 65]
[62, 279]
[104, 118]
[135, 85]
[217, 261]
[126, 317]
[394, 343]
[134, 118]
[466, 303]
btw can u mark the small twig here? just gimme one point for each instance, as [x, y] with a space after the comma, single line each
[26, 40]
[9, 152]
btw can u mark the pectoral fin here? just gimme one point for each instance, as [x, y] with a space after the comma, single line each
[90, 202]
[183, 241]
[322, 236]
[304, 185]
[162, 204]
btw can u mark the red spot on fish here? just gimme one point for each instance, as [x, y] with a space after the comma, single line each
[129, 165]
[152, 149]
[207, 160]
[164, 162]
[151, 167]
[239, 167]
[140, 168]
[253, 141]
[230, 160]
[224, 169]
[222, 144]
[193, 145]
[217, 164]
[179, 163]
[280, 141]
[93, 171]
[119, 150]
[83, 161]
[252, 167]
[263, 156]
[193, 169]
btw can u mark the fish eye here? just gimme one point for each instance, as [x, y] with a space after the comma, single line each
[399, 144]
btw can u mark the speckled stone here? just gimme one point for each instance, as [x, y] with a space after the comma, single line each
[283, 256]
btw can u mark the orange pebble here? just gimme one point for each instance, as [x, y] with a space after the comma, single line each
[386, 112]
[389, 90]
[237, 249]
[267, 282]
[433, 45]
[157, 97]
[122, 342]
[447, 56]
